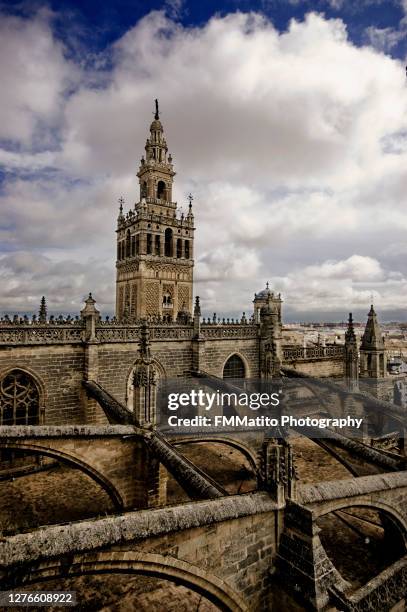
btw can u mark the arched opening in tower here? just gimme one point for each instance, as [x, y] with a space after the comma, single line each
[168, 242]
[161, 190]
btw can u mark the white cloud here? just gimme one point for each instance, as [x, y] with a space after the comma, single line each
[344, 284]
[293, 144]
[384, 39]
[34, 75]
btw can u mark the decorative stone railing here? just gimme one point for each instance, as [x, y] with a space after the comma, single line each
[75, 333]
[44, 333]
[299, 353]
[131, 333]
[231, 330]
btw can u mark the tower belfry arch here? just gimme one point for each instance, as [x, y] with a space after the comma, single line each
[154, 241]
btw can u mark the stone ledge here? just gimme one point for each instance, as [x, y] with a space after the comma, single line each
[352, 487]
[53, 541]
[58, 431]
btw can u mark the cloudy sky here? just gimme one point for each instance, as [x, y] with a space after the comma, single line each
[286, 120]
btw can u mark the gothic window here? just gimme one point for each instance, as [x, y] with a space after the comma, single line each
[137, 244]
[149, 244]
[234, 368]
[161, 190]
[186, 249]
[19, 399]
[133, 246]
[144, 190]
[118, 250]
[157, 245]
[168, 242]
[179, 248]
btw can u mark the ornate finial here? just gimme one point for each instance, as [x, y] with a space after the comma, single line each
[190, 198]
[121, 202]
[157, 115]
[350, 332]
[42, 315]
[267, 285]
[89, 308]
[197, 309]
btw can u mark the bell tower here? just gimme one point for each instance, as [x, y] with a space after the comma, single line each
[154, 242]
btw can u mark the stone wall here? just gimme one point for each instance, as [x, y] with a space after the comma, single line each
[320, 368]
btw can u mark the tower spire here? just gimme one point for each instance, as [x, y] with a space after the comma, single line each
[351, 356]
[372, 348]
[157, 114]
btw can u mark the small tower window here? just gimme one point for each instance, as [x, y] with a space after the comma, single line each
[161, 190]
[118, 250]
[128, 243]
[168, 243]
[167, 302]
[157, 245]
[137, 244]
[143, 192]
[187, 254]
[133, 246]
[149, 244]
[179, 248]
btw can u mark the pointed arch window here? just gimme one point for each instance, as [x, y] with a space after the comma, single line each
[19, 399]
[234, 368]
